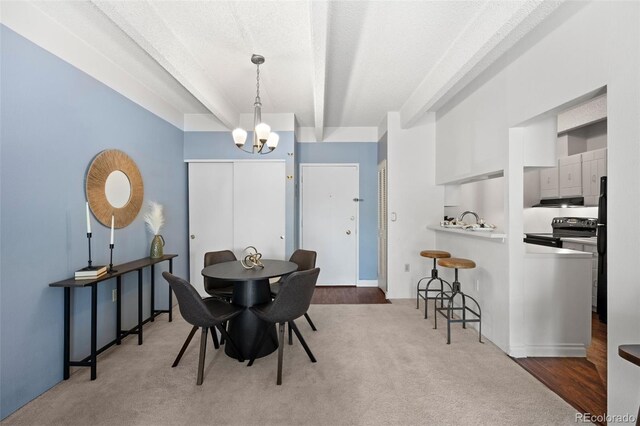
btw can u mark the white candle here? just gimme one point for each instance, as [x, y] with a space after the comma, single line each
[88, 220]
[111, 229]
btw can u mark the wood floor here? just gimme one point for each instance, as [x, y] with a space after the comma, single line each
[335, 295]
[579, 381]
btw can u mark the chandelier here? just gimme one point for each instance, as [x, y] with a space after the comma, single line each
[262, 134]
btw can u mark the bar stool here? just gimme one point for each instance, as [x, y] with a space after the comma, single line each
[435, 255]
[457, 263]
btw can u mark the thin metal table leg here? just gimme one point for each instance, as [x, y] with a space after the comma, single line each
[94, 328]
[67, 332]
[170, 293]
[153, 284]
[140, 306]
[118, 309]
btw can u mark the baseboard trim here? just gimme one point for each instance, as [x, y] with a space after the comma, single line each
[367, 283]
[568, 350]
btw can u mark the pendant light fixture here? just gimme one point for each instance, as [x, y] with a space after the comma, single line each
[262, 134]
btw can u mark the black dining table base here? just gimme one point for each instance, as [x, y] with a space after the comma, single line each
[246, 328]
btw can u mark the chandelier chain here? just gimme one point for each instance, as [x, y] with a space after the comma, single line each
[258, 84]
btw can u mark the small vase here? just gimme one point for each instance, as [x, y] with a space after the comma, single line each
[156, 246]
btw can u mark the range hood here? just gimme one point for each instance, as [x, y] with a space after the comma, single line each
[561, 202]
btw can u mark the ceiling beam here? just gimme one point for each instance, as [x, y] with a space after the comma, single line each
[492, 32]
[141, 22]
[319, 21]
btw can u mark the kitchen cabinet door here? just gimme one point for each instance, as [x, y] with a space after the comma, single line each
[594, 166]
[549, 182]
[570, 176]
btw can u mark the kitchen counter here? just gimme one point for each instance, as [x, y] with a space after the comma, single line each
[537, 250]
[591, 241]
[556, 303]
[491, 235]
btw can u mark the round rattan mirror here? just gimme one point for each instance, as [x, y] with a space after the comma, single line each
[114, 187]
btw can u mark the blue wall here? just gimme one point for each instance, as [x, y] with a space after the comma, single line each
[220, 146]
[55, 119]
[366, 155]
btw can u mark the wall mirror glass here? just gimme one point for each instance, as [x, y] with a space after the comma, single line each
[114, 187]
[117, 189]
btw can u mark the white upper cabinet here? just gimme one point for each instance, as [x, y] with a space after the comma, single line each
[570, 176]
[549, 182]
[594, 166]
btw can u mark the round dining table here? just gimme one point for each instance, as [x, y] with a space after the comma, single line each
[250, 288]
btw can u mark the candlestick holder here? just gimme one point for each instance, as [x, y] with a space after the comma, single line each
[89, 241]
[111, 270]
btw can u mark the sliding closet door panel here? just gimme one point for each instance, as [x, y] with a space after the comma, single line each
[210, 214]
[259, 207]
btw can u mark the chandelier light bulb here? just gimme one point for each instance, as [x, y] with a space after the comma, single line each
[262, 131]
[272, 140]
[239, 136]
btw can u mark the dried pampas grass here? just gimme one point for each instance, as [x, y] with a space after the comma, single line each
[154, 217]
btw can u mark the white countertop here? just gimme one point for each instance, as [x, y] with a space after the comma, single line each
[492, 235]
[537, 250]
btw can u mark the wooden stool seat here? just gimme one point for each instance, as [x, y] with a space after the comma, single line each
[458, 263]
[435, 254]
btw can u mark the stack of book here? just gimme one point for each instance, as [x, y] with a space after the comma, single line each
[90, 273]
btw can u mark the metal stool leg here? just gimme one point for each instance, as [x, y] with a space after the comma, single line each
[464, 310]
[440, 291]
[418, 292]
[426, 297]
[449, 313]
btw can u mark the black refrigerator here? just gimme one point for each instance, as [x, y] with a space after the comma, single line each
[602, 251]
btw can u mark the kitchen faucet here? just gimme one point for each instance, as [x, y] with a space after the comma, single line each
[466, 213]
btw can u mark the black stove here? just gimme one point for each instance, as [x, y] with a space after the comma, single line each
[564, 227]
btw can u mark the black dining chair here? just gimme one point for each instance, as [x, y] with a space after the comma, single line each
[306, 260]
[201, 313]
[222, 289]
[292, 301]
[218, 288]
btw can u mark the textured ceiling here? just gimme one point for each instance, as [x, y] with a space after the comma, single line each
[91, 25]
[333, 64]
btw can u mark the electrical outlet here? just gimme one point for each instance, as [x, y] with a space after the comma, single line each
[114, 295]
[407, 267]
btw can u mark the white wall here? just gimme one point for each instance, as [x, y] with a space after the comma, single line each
[580, 48]
[415, 200]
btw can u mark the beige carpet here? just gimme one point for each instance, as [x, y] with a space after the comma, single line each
[377, 364]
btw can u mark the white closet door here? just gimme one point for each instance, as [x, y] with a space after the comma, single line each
[210, 214]
[259, 207]
[382, 225]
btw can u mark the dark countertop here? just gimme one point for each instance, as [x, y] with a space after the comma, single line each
[631, 353]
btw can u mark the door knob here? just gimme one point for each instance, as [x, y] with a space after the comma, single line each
[348, 232]
[193, 237]
[282, 237]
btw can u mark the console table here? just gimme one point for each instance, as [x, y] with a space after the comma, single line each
[72, 283]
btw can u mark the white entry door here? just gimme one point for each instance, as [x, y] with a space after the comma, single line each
[329, 219]
[210, 214]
